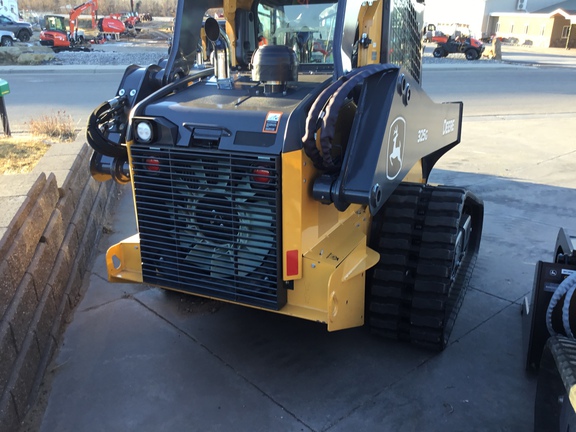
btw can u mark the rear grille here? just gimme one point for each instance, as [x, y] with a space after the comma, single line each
[405, 44]
[208, 223]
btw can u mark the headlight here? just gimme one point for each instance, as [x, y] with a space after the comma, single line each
[144, 132]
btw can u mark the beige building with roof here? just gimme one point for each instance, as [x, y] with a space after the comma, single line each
[550, 26]
[542, 23]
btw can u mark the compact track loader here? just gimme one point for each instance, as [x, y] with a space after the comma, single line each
[279, 158]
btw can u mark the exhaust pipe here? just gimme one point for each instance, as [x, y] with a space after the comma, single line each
[104, 168]
[221, 56]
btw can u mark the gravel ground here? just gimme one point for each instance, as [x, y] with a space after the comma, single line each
[145, 56]
[110, 57]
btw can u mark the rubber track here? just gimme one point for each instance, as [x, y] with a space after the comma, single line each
[413, 294]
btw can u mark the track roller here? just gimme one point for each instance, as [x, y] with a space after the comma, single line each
[428, 239]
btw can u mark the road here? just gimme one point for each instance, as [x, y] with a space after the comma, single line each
[513, 91]
[137, 359]
[44, 92]
[59, 89]
[549, 56]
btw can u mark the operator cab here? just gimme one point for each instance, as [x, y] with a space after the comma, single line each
[307, 29]
[56, 23]
[254, 31]
[270, 43]
[310, 28]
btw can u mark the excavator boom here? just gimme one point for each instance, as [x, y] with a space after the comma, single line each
[77, 11]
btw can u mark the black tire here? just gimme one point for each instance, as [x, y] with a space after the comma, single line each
[7, 41]
[439, 52]
[428, 240]
[24, 36]
[471, 54]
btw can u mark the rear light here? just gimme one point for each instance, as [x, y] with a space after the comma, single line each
[152, 164]
[261, 175]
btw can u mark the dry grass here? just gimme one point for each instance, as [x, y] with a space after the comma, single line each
[21, 152]
[59, 126]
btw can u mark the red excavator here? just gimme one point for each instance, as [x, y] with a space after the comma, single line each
[56, 35]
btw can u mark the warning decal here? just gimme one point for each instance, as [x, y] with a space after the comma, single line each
[272, 122]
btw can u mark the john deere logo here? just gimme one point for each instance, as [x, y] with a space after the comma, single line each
[397, 132]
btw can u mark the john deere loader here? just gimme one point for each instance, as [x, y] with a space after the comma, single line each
[279, 157]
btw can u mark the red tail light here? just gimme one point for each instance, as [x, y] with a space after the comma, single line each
[152, 164]
[261, 175]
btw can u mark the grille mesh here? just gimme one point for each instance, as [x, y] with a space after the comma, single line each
[405, 44]
[208, 223]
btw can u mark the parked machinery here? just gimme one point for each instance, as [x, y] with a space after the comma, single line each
[288, 171]
[60, 36]
[470, 47]
[549, 343]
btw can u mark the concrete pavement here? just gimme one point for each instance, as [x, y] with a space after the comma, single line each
[136, 358]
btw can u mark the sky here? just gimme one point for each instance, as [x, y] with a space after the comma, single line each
[469, 12]
[449, 11]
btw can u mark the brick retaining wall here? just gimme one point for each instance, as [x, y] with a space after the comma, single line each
[50, 222]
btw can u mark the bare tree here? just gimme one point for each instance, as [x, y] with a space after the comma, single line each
[105, 7]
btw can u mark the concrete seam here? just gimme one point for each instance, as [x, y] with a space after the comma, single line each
[224, 362]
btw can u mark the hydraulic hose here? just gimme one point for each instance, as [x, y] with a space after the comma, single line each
[324, 112]
[333, 106]
[97, 140]
[567, 288]
[312, 122]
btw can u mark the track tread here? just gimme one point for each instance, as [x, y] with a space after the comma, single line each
[415, 294]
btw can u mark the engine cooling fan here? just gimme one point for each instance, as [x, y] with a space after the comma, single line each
[226, 230]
